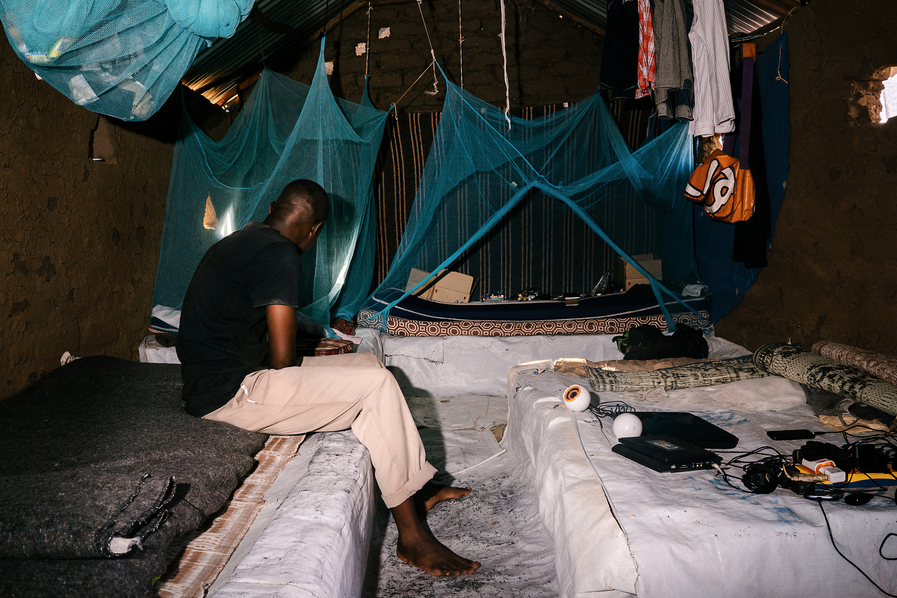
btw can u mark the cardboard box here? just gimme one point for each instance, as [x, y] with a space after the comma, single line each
[628, 276]
[446, 287]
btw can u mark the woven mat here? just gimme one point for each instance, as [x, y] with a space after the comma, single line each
[817, 371]
[197, 560]
[578, 366]
[879, 365]
[686, 376]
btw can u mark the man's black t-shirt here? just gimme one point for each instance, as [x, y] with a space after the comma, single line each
[223, 331]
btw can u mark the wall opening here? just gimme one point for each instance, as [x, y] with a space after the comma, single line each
[888, 97]
[873, 99]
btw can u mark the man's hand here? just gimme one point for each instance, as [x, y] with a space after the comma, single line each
[281, 336]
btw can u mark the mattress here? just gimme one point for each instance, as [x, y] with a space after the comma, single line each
[313, 535]
[622, 529]
[605, 314]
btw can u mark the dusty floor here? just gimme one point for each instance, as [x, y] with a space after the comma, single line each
[494, 525]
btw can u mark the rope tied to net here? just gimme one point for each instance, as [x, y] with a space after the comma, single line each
[504, 55]
[432, 51]
[367, 48]
[460, 44]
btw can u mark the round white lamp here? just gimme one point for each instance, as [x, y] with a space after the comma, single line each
[627, 425]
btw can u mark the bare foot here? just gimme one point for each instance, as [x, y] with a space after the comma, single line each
[430, 555]
[432, 494]
[418, 547]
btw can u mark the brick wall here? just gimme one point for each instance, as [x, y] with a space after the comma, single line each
[549, 59]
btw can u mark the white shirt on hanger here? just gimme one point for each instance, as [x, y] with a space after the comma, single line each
[713, 112]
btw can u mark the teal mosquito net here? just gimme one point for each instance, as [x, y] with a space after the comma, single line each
[122, 58]
[483, 163]
[286, 131]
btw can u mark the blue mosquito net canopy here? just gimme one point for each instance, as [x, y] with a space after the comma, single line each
[122, 58]
[286, 131]
[483, 163]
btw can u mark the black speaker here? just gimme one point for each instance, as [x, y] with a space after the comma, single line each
[760, 478]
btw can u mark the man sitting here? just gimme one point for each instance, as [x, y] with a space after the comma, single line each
[237, 347]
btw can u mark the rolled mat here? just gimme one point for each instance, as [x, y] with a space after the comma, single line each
[693, 375]
[878, 364]
[818, 371]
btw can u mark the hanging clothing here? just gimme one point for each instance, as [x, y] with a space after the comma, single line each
[750, 237]
[619, 60]
[674, 92]
[713, 112]
[646, 60]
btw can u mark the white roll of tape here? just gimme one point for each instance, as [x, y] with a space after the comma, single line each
[577, 398]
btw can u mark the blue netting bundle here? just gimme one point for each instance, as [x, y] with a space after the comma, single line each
[286, 131]
[482, 164]
[122, 58]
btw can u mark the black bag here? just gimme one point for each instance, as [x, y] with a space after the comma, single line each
[648, 342]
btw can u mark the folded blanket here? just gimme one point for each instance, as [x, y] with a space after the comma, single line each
[100, 469]
[80, 514]
[817, 371]
[692, 375]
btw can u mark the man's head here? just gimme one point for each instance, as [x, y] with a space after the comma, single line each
[299, 212]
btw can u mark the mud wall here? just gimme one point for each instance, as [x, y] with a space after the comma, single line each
[79, 240]
[832, 270]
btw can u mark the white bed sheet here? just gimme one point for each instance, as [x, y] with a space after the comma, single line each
[621, 528]
[312, 537]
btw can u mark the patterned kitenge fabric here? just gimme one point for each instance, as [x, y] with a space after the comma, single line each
[687, 376]
[606, 325]
[817, 371]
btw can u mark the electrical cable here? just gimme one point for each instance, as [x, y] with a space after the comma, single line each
[483, 462]
[851, 563]
[610, 409]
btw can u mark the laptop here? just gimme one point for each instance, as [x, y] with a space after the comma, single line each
[666, 453]
[686, 426]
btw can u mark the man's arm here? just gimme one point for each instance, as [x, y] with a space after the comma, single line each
[281, 336]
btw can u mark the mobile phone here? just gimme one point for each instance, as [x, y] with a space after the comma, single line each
[790, 434]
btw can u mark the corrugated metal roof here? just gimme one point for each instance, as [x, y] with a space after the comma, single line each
[275, 27]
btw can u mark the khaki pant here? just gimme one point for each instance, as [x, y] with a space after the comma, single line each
[338, 392]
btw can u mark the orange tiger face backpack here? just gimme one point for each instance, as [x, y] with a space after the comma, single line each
[725, 189]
